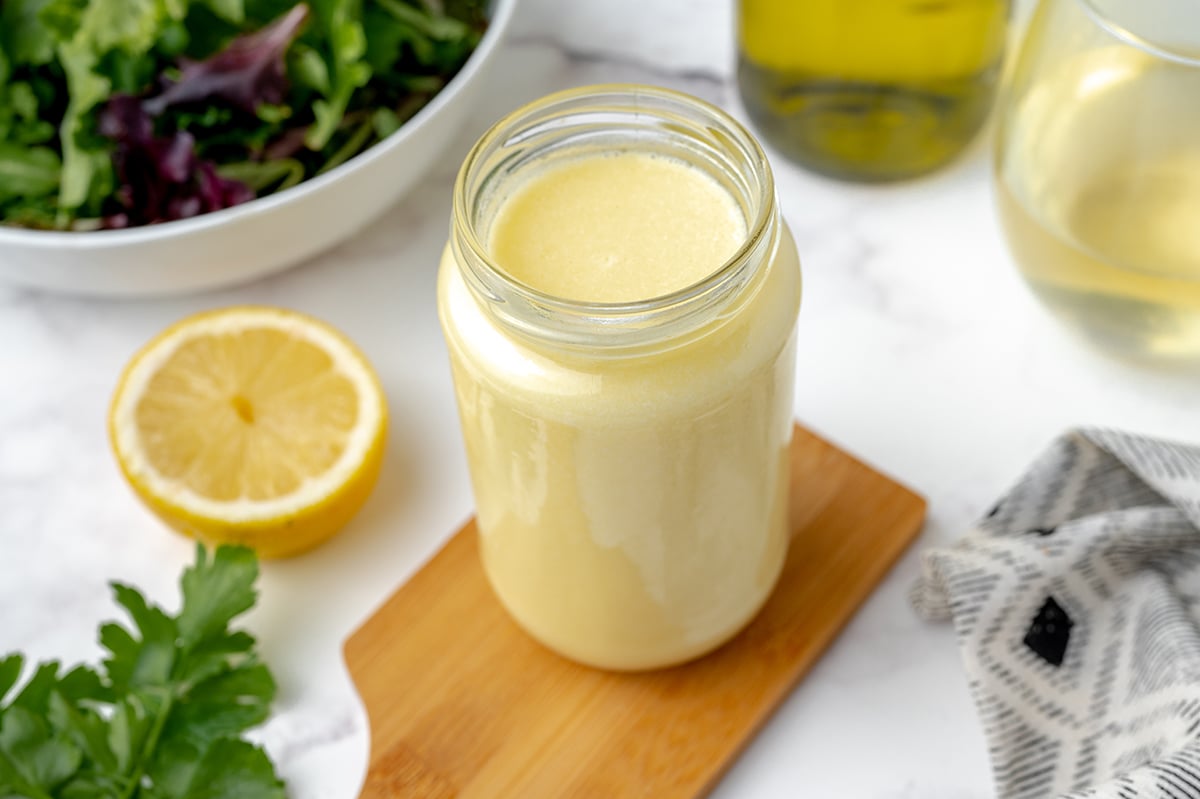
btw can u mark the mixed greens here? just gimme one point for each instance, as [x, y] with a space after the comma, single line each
[129, 112]
[164, 717]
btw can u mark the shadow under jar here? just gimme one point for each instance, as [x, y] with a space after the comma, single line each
[626, 421]
[1098, 171]
[870, 90]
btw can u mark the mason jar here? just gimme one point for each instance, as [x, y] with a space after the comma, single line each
[629, 459]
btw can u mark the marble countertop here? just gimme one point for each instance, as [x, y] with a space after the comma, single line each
[920, 351]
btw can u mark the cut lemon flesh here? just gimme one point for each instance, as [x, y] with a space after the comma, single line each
[250, 425]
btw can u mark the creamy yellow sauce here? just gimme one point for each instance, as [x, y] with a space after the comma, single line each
[632, 510]
[616, 228]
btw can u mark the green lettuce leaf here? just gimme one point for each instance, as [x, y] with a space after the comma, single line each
[23, 34]
[28, 171]
[95, 28]
[84, 164]
[341, 21]
[230, 10]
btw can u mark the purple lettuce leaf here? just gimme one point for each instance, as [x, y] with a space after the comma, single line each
[290, 142]
[248, 72]
[160, 178]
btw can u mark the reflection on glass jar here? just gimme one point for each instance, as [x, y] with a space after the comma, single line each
[1098, 170]
[619, 300]
[870, 90]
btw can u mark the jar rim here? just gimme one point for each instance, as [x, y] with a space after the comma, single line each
[1122, 31]
[612, 318]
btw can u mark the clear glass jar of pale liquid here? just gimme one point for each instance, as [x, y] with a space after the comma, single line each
[619, 300]
[1098, 170]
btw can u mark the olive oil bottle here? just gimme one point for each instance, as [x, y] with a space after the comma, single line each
[870, 90]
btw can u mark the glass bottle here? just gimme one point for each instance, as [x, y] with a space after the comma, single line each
[870, 90]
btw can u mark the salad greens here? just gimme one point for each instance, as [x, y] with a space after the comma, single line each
[163, 719]
[129, 112]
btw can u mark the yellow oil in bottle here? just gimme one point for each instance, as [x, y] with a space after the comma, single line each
[870, 90]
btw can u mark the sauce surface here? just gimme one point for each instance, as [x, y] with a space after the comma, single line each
[615, 228]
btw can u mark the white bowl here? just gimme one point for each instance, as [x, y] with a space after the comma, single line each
[238, 244]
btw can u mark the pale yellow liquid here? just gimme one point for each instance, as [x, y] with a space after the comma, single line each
[1099, 192]
[631, 510]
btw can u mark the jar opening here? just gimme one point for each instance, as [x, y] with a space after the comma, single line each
[1165, 29]
[606, 119]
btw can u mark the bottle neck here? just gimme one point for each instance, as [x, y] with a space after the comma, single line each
[606, 119]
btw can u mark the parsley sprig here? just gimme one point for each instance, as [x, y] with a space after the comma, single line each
[163, 717]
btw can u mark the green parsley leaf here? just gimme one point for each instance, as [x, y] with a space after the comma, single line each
[215, 592]
[163, 719]
[35, 696]
[222, 706]
[84, 727]
[154, 655]
[38, 760]
[230, 769]
[10, 670]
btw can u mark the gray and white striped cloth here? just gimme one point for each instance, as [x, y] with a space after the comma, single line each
[1077, 608]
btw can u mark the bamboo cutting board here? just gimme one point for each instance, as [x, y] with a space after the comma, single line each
[463, 705]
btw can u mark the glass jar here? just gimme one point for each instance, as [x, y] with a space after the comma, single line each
[629, 460]
[870, 90]
[1098, 171]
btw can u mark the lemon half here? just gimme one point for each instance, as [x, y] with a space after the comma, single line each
[250, 425]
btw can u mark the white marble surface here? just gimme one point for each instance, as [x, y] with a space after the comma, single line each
[920, 351]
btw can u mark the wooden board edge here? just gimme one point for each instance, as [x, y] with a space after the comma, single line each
[914, 527]
[353, 646]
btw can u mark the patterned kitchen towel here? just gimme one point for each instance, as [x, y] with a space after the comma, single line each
[1077, 604]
